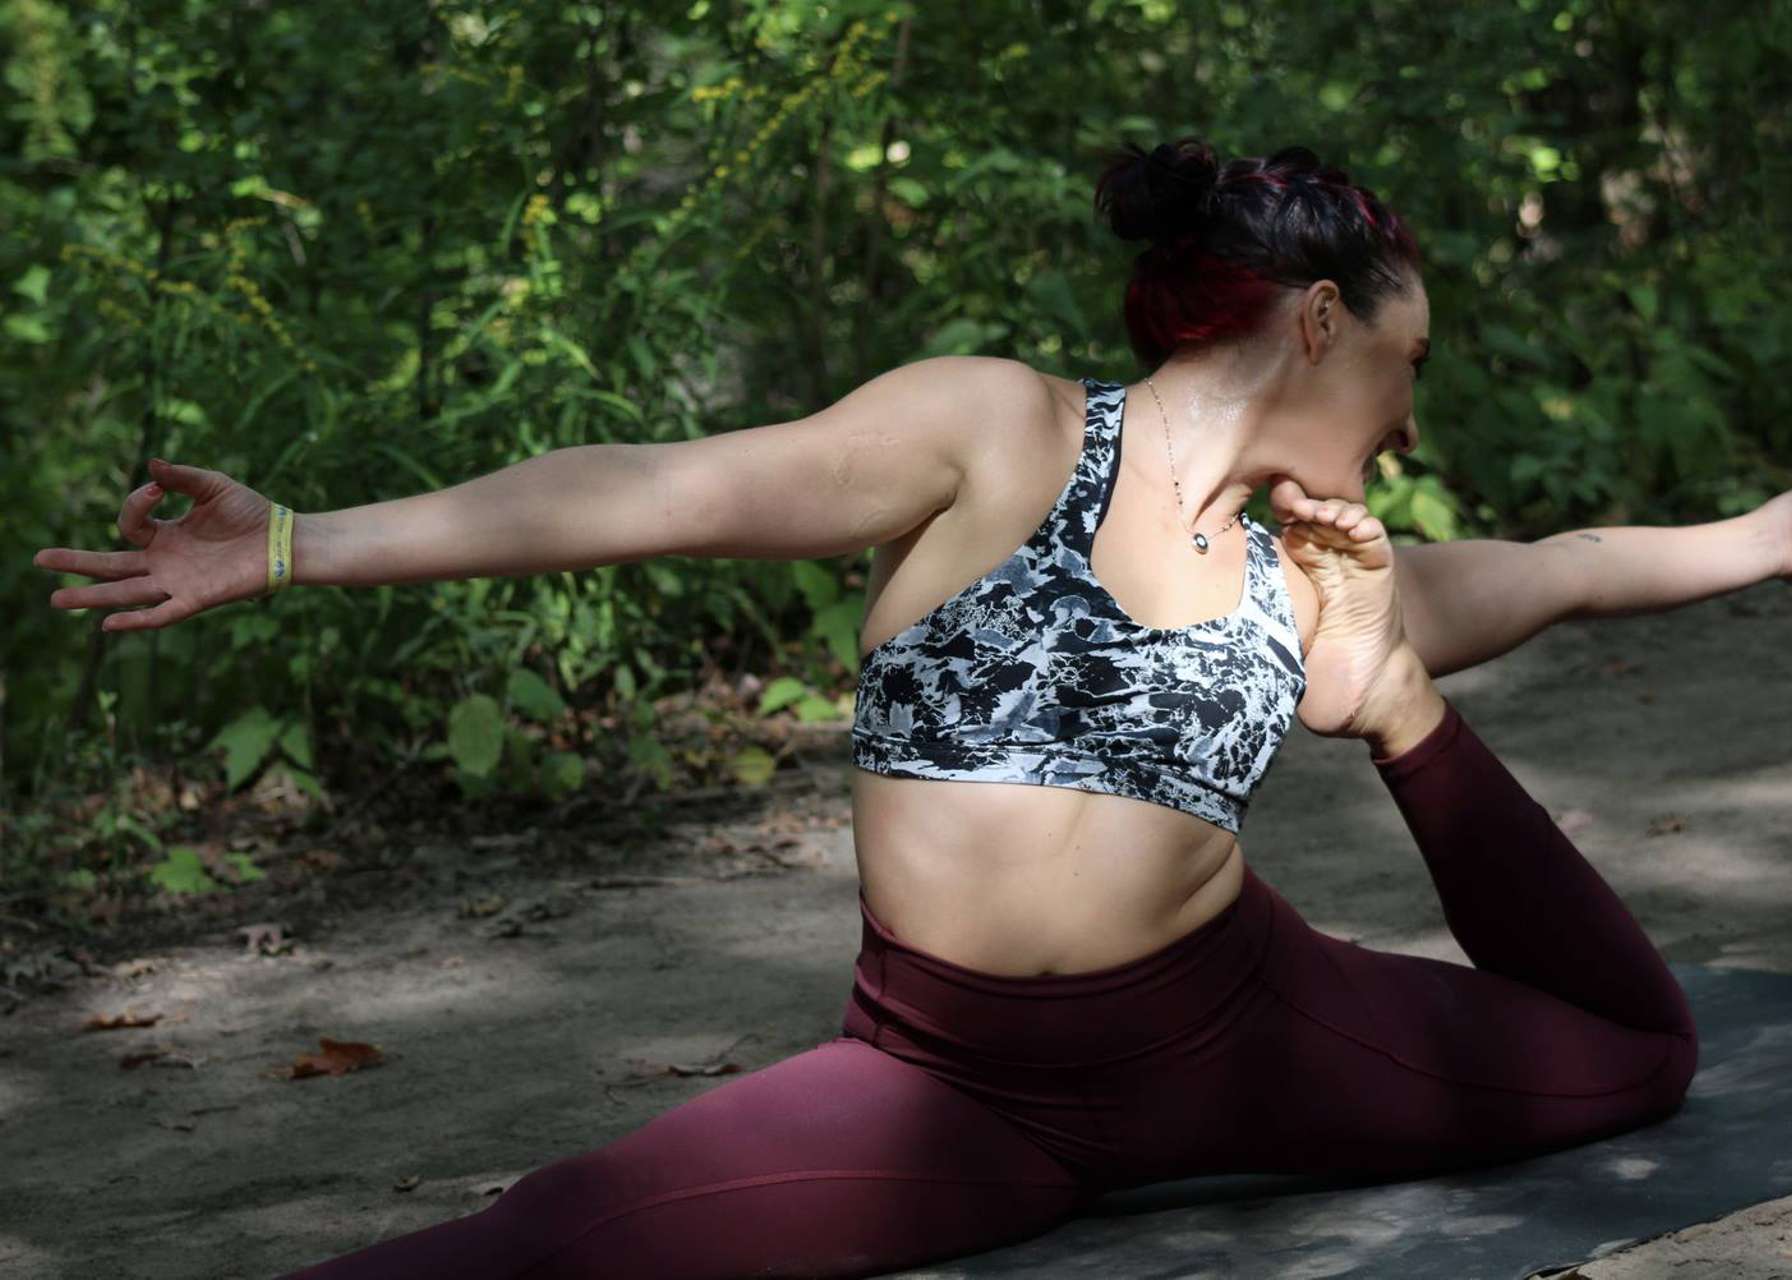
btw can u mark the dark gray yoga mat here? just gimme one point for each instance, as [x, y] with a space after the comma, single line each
[1730, 1146]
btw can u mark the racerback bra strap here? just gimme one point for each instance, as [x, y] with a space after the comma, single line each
[1091, 491]
[1091, 488]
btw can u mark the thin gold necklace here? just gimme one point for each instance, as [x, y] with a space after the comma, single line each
[1199, 539]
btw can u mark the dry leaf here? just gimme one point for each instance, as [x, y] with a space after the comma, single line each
[339, 1057]
[644, 1070]
[408, 1183]
[1662, 823]
[120, 1021]
[488, 904]
[268, 938]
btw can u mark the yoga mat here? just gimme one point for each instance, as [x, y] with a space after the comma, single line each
[1730, 1146]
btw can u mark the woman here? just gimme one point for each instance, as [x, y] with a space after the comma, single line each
[1069, 980]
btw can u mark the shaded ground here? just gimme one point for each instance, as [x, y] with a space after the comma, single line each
[530, 1001]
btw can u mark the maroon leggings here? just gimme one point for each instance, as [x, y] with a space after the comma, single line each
[962, 1110]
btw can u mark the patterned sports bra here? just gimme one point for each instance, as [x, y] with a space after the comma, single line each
[1033, 674]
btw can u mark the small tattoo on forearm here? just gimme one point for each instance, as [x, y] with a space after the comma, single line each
[1590, 537]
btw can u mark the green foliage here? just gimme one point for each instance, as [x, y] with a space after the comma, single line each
[752, 766]
[254, 738]
[182, 872]
[476, 734]
[346, 253]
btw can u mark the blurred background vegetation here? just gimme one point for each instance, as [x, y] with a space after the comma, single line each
[350, 251]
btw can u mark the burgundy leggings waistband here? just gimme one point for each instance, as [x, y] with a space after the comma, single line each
[1061, 1017]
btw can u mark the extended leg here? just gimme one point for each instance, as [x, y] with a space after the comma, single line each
[839, 1162]
[1569, 1028]
[1517, 894]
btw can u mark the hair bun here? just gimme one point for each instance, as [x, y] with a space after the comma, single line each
[1161, 194]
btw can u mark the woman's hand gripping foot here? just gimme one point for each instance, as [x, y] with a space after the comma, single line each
[1364, 680]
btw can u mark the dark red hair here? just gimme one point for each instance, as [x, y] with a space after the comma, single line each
[1226, 242]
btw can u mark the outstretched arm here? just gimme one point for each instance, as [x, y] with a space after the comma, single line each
[1465, 602]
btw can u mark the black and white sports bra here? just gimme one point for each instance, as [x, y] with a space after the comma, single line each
[1034, 674]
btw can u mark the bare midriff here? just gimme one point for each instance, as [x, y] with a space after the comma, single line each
[1018, 879]
[1025, 880]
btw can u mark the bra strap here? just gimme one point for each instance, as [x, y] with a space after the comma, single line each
[1092, 482]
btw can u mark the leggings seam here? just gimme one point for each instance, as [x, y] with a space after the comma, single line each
[1475, 1084]
[809, 1175]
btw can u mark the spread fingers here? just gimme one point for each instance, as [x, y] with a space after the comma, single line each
[95, 564]
[125, 593]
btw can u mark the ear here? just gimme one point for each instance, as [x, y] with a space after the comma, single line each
[1321, 319]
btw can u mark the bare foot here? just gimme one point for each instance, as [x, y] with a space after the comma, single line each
[1360, 671]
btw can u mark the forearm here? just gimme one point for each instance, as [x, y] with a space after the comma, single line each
[1631, 569]
[571, 508]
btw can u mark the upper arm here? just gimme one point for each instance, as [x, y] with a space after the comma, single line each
[859, 473]
[1468, 601]
[1464, 602]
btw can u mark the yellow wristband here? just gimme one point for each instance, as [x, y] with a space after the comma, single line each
[279, 548]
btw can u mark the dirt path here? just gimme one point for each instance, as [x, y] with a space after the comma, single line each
[567, 1009]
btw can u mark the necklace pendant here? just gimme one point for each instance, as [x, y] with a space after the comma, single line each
[1200, 540]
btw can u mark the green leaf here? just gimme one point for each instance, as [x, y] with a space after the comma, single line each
[29, 329]
[819, 587]
[562, 773]
[296, 742]
[246, 870]
[621, 404]
[781, 693]
[32, 283]
[247, 741]
[814, 708]
[961, 337]
[476, 734]
[909, 190]
[182, 872]
[753, 766]
[533, 696]
[838, 625]
[303, 780]
[1433, 516]
[649, 754]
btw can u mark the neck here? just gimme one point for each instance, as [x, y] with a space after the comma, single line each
[1221, 429]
